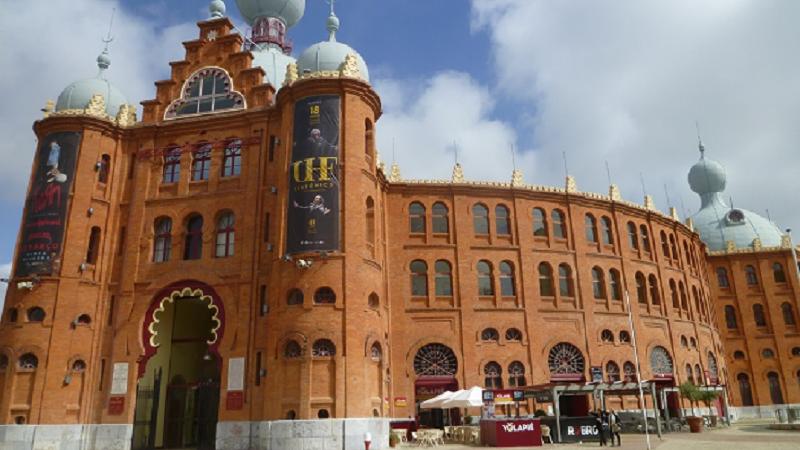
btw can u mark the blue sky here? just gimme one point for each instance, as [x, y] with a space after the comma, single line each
[617, 81]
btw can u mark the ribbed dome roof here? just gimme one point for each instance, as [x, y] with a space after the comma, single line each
[329, 55]
[718, 223]
[78, 94]
[288, 11]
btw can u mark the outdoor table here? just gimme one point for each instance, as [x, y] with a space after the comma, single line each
[511, 432]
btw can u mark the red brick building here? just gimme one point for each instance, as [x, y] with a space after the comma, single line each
[158, 284]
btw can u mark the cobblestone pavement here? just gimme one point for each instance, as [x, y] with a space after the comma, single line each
[742, 436]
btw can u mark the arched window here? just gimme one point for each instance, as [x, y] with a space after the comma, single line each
[104, 167]
[598, 285]
[441, 221]
[759, 316]
[162, 244]
[201, 162]
[539, 222]
[614, 284]
[664, 245]
[778, 274]
[660, 361]
[485, 282]
[559, 224]
[514, 335]
[698, 375]
[83, 319]
[673, 290]
[607, 336]
[193, 246]
[444, 279]
[645, 237]
[745, 392]
[502, 220]
[36, 314]
[12, 315]
[323, 414]
[480, 219]
[565, 281]
[624, 337]
[507, 285]
[693, 342]
[493, 376]
[590, 223]
[292, 349]
[419, 278]
[291, 415]
[795, 351]
[775, 392]
[612, 372]
[324, 296]
[608, 231]
[207, 90]
[633, 239]
[369, 219]
[565, 359]
[684, 300]
[730, 317]
[713, 369]
[3, 362]
[673, 247]
[654, 294]
[684, 342]
[226, 234]
[490, 335]
[641, 288]
[416, 218]
[788, 314]
[628, 372]
[323, 348]
[435, 359]
[767, 353]
[28, 361]
[738, 354]
[294, 297]
[750, 275]
[78, 366]
[375, 352]
[689, 374]
[545, 280]
[232, 159]
[369, 138]
[516, 374]
[93, 249]
[172, 165]
[373, 301]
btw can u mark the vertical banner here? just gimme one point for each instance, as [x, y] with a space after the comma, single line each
[313, 216]
[46, 206]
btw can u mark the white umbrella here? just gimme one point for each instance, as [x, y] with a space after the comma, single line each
[470, 398]
[436, 402]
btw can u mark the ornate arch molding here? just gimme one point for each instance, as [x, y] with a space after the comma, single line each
[240, 102]
[185, 288]
[296, 336]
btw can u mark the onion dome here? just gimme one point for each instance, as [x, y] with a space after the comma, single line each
[716, 222]
[77, 95]
[328, 56]
[288, 11]
[217, 9]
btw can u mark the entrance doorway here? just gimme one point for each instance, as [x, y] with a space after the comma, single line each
[177, 398]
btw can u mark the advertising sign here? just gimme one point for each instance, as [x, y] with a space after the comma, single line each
[313, 216]
[116, 405]
[46, 206]
[597, 374]
[400, 402]
[503, 397]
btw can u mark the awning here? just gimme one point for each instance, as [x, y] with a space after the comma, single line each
[436, 402]
[470, 398]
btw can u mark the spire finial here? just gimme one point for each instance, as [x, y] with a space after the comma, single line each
[700, 145]
[333, 22]
[103, 60]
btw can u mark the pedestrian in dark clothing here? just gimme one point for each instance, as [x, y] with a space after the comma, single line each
[602, 428]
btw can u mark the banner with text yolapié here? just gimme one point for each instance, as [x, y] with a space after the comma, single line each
[313, 216]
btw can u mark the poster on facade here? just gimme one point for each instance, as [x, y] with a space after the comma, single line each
[313, 216]
[46, 206]
[236, 374]
[119, 379]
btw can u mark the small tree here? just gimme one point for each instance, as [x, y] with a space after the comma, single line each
[708, 398]
[690, 392]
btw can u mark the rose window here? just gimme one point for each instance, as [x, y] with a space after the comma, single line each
[435, 359]
[565, 359]
[660, 361]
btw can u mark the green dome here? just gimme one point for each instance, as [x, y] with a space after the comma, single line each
[328, 56]
[78, 94]
[288, 11]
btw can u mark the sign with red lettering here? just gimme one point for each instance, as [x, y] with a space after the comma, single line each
[46, 206]
[116, 406]
[234, 400]
[400, 402]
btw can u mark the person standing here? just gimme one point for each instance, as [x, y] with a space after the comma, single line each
[601, 419]
[614, 427]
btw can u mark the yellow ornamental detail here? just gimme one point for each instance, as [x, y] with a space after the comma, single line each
[458, 174]
[291, 74]
[349, 68]
[96, 106]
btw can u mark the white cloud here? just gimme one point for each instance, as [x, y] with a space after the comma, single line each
[56, 43]
[625, 81]
[425, 118]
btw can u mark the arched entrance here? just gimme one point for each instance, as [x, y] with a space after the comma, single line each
[177, 397]
[435, 365]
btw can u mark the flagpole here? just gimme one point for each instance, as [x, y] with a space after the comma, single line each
[638, 370]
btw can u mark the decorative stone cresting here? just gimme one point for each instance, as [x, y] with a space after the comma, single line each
[350, 68]
[394, 174]
[571, 185]
[126, 116]
[516, 178]
[458, 174]
[613, 193]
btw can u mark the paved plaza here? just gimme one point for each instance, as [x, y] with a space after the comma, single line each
[741, 436]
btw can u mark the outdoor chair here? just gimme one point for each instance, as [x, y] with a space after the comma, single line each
[475, 436]
[546, 434]
[448, 432]
[400, 434]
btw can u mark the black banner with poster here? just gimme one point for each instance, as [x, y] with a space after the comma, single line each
[47, 204]
[313, 216]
